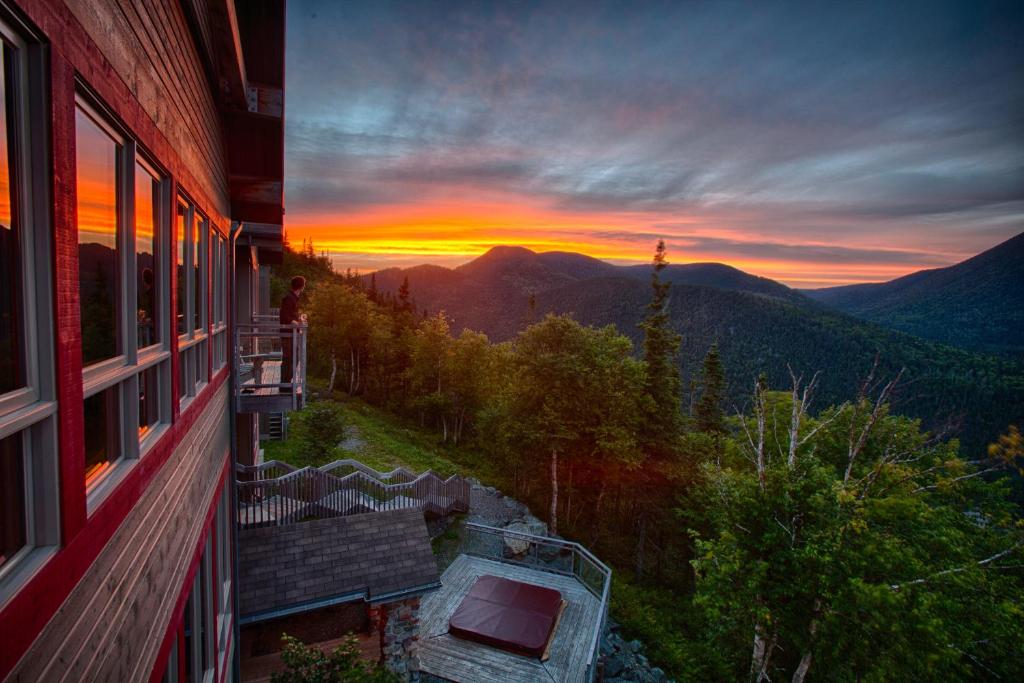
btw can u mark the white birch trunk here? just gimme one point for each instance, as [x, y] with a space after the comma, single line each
[554, 491]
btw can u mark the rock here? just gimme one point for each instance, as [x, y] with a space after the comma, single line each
[536, 526]
[634, 646]
[516, 545]
[613, 666]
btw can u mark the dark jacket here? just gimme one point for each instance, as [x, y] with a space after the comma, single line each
[289, 309]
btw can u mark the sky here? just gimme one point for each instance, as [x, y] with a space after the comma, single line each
[814, 143]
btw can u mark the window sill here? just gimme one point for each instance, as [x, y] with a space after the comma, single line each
[151, 437]
[101, 490]
[14, 577]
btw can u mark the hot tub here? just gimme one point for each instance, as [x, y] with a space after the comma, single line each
[510, 615]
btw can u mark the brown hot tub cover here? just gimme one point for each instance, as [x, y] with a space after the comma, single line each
[506, 614]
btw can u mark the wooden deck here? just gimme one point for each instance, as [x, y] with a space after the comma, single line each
[464, 661]
[254, 398]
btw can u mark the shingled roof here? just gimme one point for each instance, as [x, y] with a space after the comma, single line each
[293, 568]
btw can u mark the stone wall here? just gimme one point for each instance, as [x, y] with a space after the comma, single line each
[399, 626]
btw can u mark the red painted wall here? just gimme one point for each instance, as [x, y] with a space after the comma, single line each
[74, 54]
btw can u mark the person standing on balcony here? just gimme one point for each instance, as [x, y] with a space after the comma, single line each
[290, 315]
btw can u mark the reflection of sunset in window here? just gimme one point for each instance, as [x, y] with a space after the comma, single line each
[12, 362]
[99, 275]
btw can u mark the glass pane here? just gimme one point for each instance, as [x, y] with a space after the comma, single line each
[182, 233]
[222, 317]
[102, 433]
[199, 270]
[189, 608]
[12, 362]
[206, 632]
[183, 373]
[147, 189]
[13, 531]
[202, 360]
[149, 400]
[98, 277]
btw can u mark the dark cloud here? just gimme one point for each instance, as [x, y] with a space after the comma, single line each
[872, 116]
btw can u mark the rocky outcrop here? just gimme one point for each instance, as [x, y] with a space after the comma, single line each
[625, 660]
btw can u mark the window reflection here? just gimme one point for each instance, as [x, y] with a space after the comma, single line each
[147, 189]
[102, 433]
[13, 536]
[12, 370]
[98, 277]
[149, 400]
[182, 234]
[198, 271]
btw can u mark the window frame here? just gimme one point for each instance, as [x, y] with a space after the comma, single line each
[124, 370]
[30, 412]
[193, 354]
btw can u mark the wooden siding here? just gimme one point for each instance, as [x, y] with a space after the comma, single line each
[112, 624]
[151, 48]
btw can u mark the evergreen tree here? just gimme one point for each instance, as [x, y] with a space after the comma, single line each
[710, 417]
[661, 351]
[404, 300]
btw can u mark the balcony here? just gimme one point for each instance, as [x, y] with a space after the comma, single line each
[270, 366]
[582, 579]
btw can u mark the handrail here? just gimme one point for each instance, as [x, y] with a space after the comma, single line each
[262, 341]
[345, 462]
[296, 494]
[581, 558]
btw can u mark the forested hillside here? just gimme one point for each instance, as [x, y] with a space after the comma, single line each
[803, 537]
[760, 326]
[977, 304]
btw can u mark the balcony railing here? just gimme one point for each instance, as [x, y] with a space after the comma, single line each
[552, 555]
[277, 493]
[270, 366]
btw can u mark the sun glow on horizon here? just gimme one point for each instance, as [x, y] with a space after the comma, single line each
[449, 233]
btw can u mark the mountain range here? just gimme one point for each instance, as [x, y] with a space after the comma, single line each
[760, 325]
[977, 304]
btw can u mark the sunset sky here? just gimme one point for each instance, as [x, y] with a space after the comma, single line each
[814, 143]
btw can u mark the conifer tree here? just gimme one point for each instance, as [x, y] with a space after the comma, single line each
[404, 301]
[661, 351]
[710, 417]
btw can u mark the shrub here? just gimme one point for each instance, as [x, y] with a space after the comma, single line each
[317, 429]
[341, 665]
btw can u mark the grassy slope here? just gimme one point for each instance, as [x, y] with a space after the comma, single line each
[652, 615]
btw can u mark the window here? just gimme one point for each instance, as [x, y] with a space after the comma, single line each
[147, 218]
[219, 248]
[29, 527]
[99, 279]
[193, 288]
[124, 271]
[198, 624]
[222, 534]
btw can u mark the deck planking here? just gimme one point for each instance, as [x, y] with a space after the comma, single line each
[464, 661]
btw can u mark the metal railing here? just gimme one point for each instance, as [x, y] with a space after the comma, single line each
[264, 353]
[550, 555]
[276, 493]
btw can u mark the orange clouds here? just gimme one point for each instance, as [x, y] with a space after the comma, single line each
[451, 231]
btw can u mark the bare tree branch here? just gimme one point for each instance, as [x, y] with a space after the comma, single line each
[957, 570]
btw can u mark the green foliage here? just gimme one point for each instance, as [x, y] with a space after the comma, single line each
[316, 430]
[661, 357]
[710, 417]
[908, 567]
[308, 664]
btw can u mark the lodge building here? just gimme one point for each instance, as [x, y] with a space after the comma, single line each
[140, 194]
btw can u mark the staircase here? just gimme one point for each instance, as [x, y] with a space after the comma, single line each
[276, 426]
